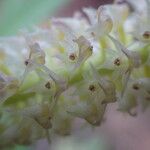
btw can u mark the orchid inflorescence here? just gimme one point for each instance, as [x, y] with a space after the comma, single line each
[73, 68]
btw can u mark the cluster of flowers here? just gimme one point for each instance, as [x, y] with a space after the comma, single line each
[73, 68]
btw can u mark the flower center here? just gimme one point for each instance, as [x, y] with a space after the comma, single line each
[48, 85]
[117, 62]
[26, 62]
[92, 88]
[135, 87]
[72, 56]
[91, 48]
[93, 34]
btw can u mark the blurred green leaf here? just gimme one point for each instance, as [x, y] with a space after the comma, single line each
[16, 14]
[18, 97]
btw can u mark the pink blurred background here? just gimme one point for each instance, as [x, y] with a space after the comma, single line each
[76, 5]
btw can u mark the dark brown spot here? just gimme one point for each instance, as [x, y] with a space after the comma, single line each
[135, 87]
[93, 34]
[117, 62]
[49, 118]
[26, 62]
[72, 56]
[92, 88]
[48, 85]
[146, 34]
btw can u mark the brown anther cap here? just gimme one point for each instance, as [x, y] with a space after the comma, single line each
[26, 62]
[72, 56]
[92, 88]
[48, 85]
[117, 62]
[135, 87]
[146, 34]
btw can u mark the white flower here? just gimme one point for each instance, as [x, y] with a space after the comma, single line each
[137, 94]
[103, 25]
[134, 60]
[106, 85]
[41, 113]
[88, 100]
[85, 50]
[142, 89]
[138, 23]
[75, 52]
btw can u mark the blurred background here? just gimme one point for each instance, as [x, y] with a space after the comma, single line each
[76, 5]
[16, 14]
[118, 131]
